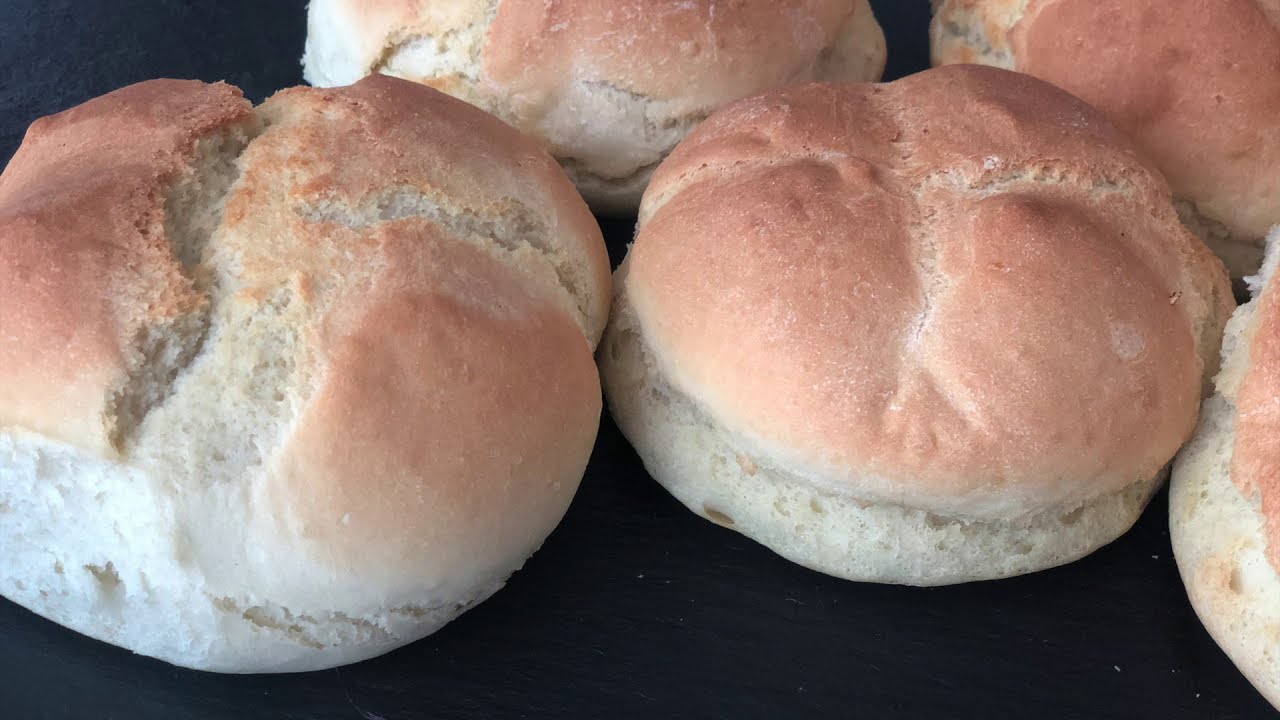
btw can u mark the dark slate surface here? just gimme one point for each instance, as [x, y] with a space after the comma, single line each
[634, 608]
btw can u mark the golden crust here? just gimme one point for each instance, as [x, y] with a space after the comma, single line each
[923, 276]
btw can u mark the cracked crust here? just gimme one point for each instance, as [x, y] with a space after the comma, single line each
[924, 274]
[68, 358]
[645, 72]
[1199, 91]
[382, 280]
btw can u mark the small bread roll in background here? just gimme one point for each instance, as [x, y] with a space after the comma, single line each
[288, 387]
[1224, 498]
[943, 329]
[610, 87]
[1195, 84]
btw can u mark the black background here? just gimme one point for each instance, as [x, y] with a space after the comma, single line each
[634, 607]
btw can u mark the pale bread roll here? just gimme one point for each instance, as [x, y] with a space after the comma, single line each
[288, 387]
[937, 330]
[612, 86]
[1195, 83]
[1224, 499]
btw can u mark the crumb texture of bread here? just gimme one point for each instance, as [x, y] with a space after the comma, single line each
[610, 87]
[1195, 83]
[287, 387]
[959, 306]
[1223, 495]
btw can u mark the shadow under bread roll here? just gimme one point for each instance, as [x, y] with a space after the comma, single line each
[1224, 498]
[1194, 83]
[943, 329]
[286, 387]
[610, 87]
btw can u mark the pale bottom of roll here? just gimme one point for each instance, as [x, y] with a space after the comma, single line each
[102, 548]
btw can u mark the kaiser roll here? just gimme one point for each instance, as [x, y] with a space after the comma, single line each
[937, 330]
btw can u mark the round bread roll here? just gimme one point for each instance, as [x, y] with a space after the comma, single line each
[610, 87]
[938, 330]
[1195, 83]
[288, 387]
[1224, 499]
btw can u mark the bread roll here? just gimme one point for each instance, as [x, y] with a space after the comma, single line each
[288, 387]
[610, 87]
[1224, 499]
[1195, 83]
[938, 330]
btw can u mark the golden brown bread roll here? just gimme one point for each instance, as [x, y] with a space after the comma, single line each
[286, 387]
[937, 330]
